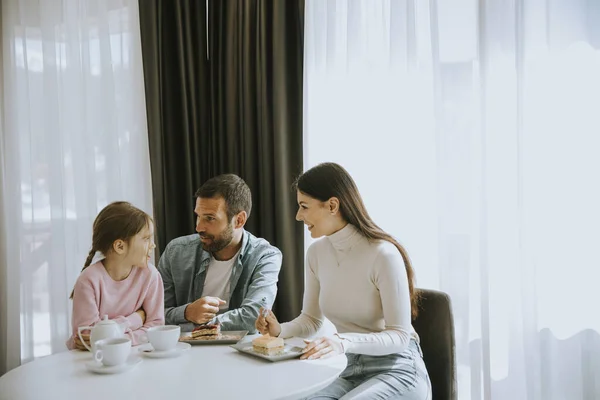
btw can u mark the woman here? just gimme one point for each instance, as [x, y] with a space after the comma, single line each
[117, 279]
[361, 279]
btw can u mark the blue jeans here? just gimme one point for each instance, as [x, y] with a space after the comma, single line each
[395, 376]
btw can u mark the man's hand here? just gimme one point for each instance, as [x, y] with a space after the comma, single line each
[79, 345]
[142, 314]
[203, 310]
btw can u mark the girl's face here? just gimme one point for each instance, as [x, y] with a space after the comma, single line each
[140, 246]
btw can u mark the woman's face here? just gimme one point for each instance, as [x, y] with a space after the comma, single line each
[316, 215]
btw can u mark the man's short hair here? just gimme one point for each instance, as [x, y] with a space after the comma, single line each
[230, 187]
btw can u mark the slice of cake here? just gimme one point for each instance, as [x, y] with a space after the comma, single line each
[207, 332]
[267, 345]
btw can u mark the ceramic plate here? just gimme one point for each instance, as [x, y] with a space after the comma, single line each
[226, 337]
[289, 351]
[98, 368]
[180, 349]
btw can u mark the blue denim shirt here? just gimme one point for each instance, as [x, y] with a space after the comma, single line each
[253, 280]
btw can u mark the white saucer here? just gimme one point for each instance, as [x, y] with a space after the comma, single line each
[98, 368]
[176, 352]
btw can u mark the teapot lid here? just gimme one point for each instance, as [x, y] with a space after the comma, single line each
[106, 321]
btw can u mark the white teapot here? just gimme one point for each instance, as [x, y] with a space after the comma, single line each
[104, 329]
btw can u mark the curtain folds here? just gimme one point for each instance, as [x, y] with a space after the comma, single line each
[470, 128]
[234, 106]
[176, 76]
[73, 138]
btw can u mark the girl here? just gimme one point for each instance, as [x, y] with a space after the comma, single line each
[117, 279]
[361, 279]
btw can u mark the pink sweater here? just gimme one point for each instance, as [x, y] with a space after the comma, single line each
[96, 294]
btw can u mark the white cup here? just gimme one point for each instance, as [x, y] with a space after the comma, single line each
[163, 338]
[111, 352]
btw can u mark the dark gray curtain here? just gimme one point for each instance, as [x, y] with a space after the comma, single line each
[234, 106]
[176, 74]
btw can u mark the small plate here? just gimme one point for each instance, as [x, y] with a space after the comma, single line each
[226, 337]
[176, 352]
[289, 351]
[98, 368]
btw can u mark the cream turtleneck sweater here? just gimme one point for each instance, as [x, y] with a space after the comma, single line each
[362, 288]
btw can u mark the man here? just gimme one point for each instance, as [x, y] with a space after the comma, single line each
[223, 274]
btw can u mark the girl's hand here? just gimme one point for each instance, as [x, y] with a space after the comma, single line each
[79, 345]
[142, 314]
[269, 324]
[324, 347]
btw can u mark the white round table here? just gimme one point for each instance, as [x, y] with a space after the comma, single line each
[205, 371]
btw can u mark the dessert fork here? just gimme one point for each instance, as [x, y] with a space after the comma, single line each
[265, 310]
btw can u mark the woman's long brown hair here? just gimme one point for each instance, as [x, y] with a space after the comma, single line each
[328, 180]
[118, 220]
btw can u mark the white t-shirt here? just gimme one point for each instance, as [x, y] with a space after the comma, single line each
[218, 280]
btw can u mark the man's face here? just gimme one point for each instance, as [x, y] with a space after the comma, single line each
[212, 224]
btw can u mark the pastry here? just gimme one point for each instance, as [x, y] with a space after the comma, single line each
[268, 345]
[207, 331]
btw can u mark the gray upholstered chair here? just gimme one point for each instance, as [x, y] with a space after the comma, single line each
[435, 326]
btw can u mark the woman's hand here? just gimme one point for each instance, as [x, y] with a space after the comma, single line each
[142, 314]
[269, 324]
[324, 347]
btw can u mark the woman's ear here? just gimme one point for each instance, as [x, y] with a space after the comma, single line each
[119, 246]
[334, 205]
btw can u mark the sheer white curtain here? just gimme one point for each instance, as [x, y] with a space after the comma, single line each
[472, 130]
[73, 139]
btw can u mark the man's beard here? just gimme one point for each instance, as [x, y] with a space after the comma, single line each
[220, 242]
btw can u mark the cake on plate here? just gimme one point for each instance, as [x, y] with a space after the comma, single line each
[268, 345]
[206, 332]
